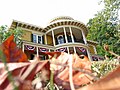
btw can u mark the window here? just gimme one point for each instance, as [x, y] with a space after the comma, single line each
[60, 39]
[69, 38]
[34, 38]
[37, 38]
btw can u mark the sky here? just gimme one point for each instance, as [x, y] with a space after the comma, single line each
[40, 12]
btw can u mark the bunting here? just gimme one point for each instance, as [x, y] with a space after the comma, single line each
[97, 58]
[30, 48]
[61, 50]
[43, 50]
[81, 49]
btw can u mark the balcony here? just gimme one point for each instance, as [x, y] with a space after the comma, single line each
[32, 49]
[62, 35]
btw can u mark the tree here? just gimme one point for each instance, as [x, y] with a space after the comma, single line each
[2, 33]
[5, 33]
[103, 28]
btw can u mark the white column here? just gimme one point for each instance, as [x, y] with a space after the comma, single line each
[71, 34]
[68, 50]
[49, 50]
[65, 35]
[53, 38]
[45, 39]
[84, 39]
[37, 51]
[89, 56]
[23, 47]
[74, 50]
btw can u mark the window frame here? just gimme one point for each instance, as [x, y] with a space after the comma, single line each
[58, 39]
[37, 38]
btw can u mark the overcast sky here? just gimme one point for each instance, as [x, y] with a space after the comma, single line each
[40, 12]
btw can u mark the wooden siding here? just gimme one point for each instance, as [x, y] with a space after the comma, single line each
[27, 35]
[49, 40]
[91, 48]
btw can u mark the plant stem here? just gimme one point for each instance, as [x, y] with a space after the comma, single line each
[8, 72]
[51, 81]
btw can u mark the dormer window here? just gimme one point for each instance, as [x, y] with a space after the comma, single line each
[60, 39]
[37, 38]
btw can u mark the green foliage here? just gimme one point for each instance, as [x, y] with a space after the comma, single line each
[2, 33]
[104, 67]
[103, 28]
[5, 33]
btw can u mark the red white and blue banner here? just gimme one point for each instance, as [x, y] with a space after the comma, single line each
[97, 58]
[43, 50]
[81, 49]
[30, 48]
[61, 50]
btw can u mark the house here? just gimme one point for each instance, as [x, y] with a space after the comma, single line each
[63, 34]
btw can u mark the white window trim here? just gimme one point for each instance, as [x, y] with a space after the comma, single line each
[58, 38]
[37, 38]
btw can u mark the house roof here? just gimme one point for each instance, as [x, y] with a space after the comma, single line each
[92, 42]
[66, 20]
[59, 21]
[16, 23]
[61, 18]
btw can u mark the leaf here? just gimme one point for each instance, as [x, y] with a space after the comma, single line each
[23, 74]
[60, 66]
[109, 82]
[52, 54]
[11, 52]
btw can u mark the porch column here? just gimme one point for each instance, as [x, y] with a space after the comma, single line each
[37, 51]
[65, 35]
[53, 38]
[71, 34]
[49, 50]
[74, 50]
[45, 39]
[89, 56]
[84, 39]
[68, 50]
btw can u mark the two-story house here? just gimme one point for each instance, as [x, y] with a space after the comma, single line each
[63, 34]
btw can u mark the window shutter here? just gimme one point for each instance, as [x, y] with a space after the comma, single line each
[43, 40]
[31, 37]
[56, 41]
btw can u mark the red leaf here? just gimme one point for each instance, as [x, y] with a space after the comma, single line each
[109, 82]
[12, 52]
[19, 70]
[52, 54]
[62, 73]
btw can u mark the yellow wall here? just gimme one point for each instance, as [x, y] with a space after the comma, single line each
[49, 40]
[91, 48]
[27, 35]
